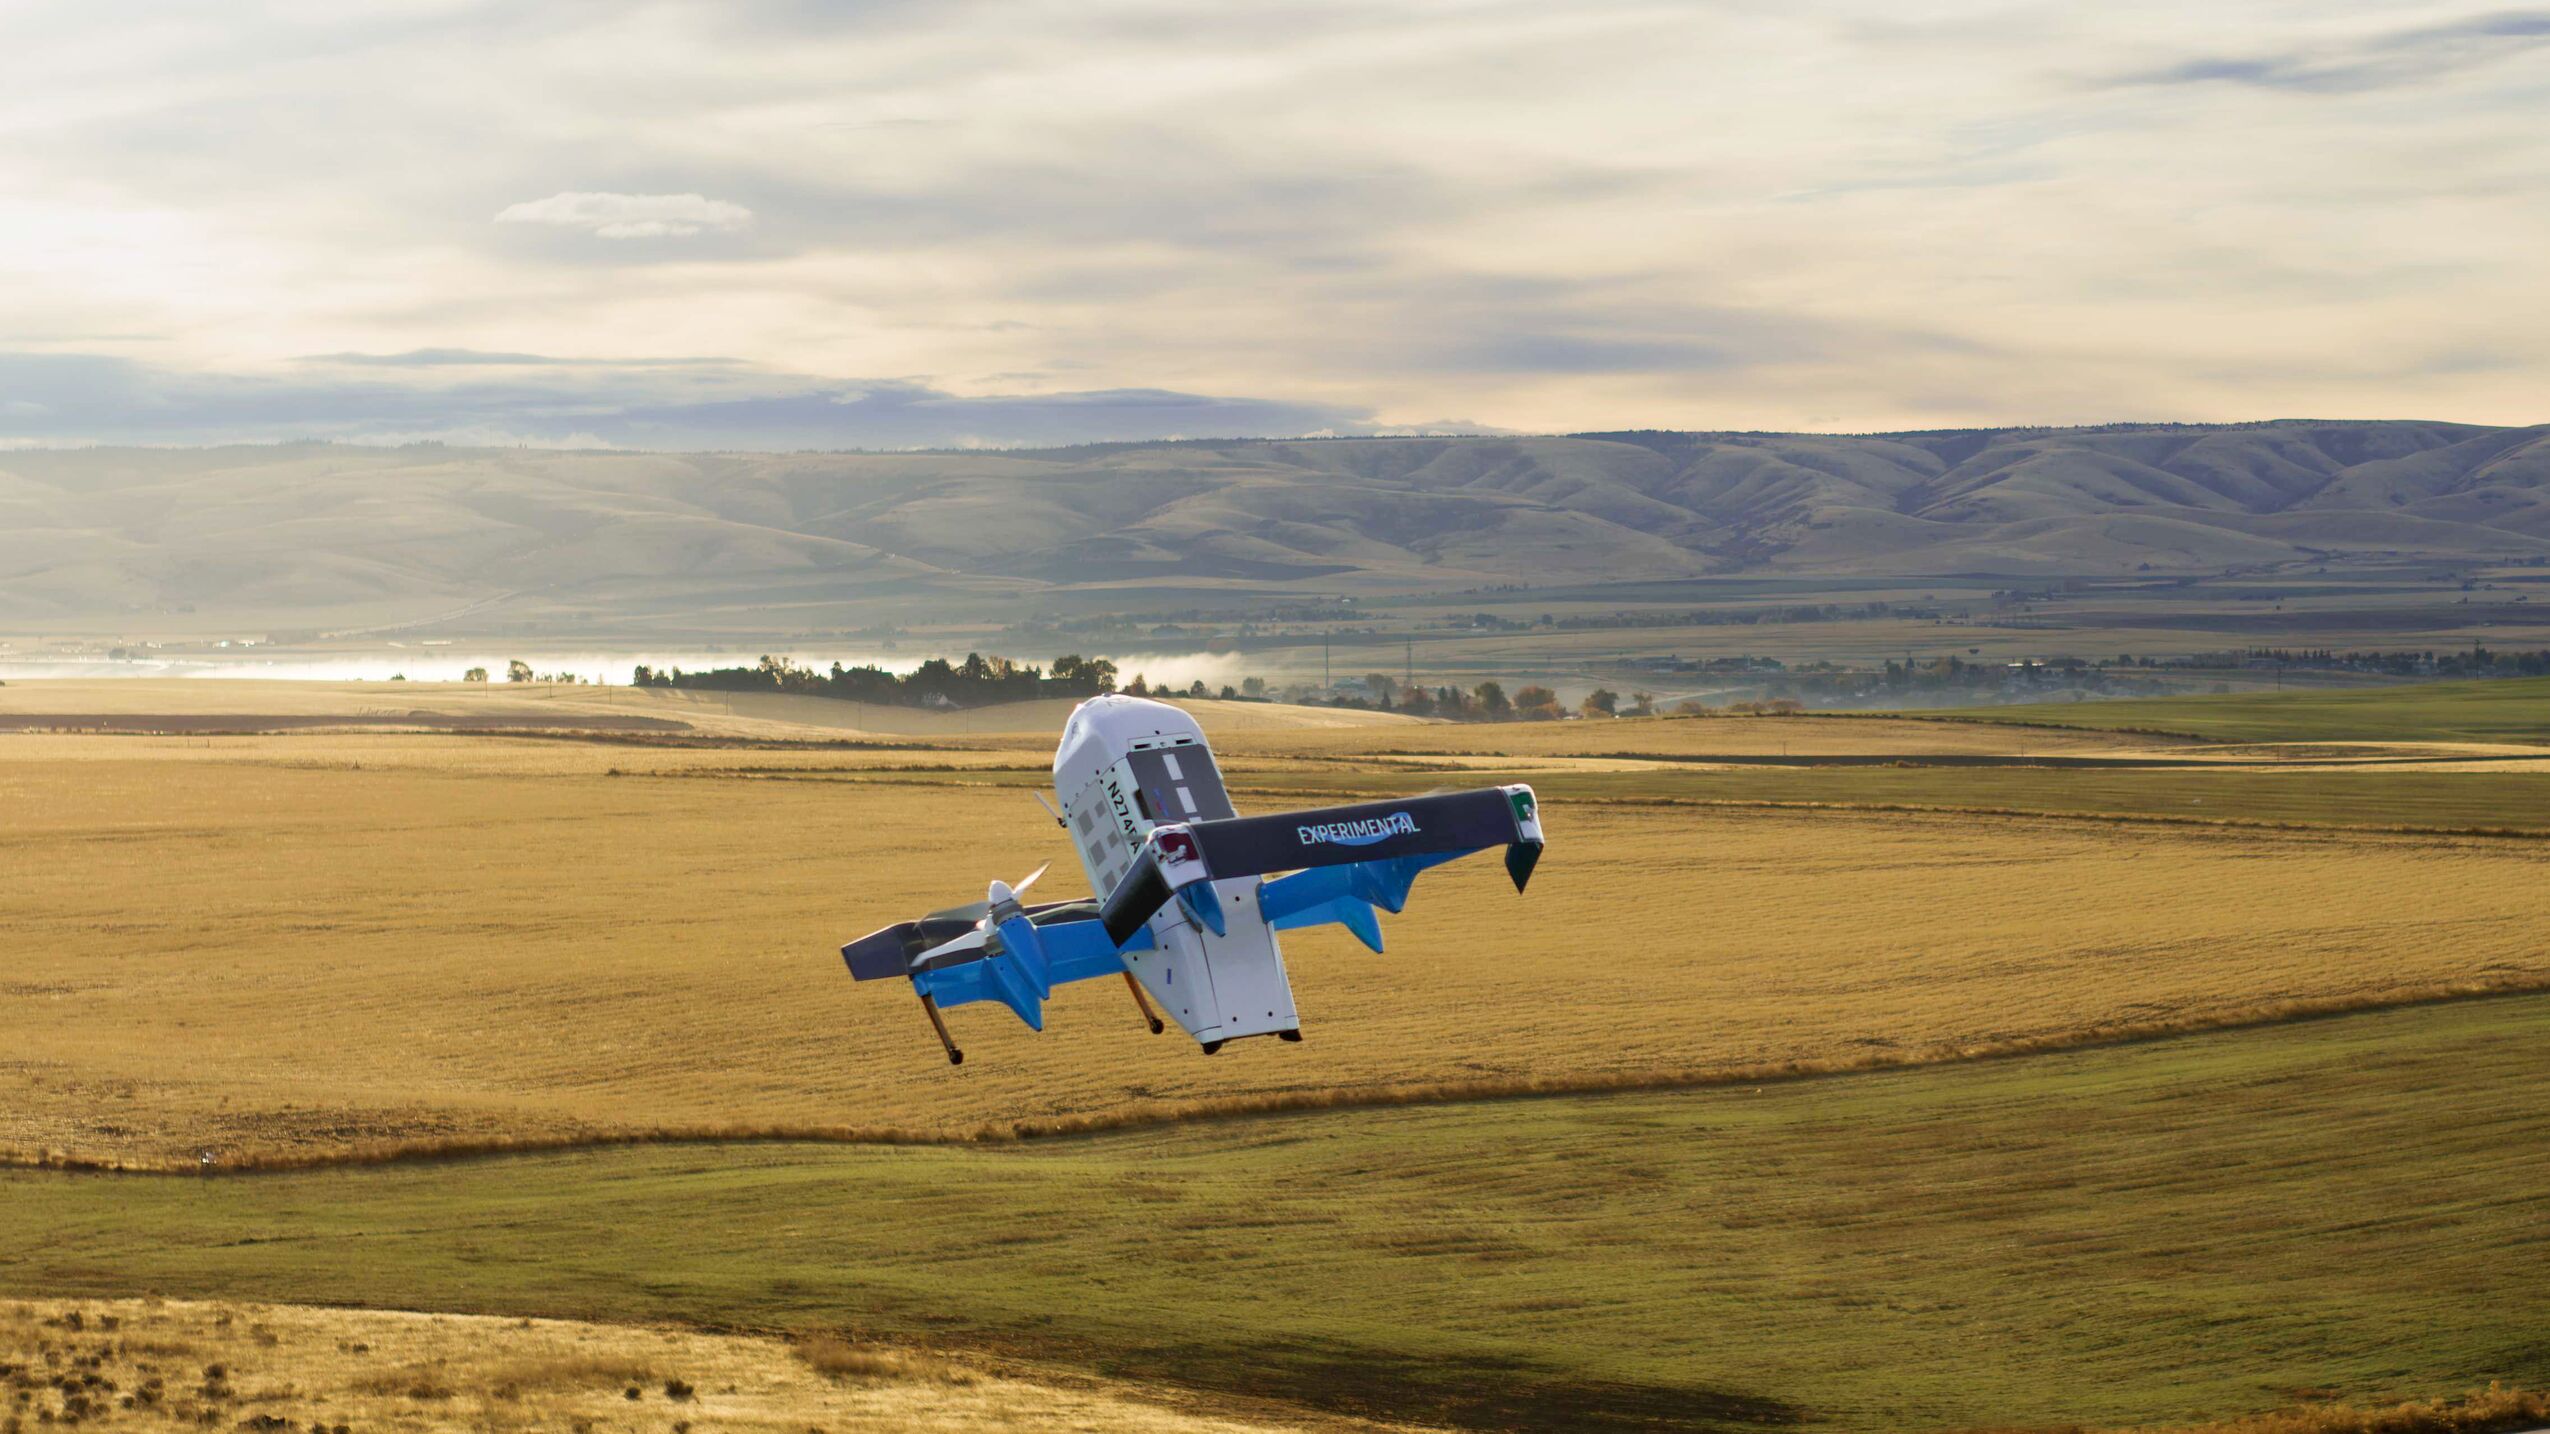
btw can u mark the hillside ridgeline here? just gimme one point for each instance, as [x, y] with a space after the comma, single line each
[322, 529]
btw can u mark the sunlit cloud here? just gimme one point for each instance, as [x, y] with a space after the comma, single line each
[629, 216]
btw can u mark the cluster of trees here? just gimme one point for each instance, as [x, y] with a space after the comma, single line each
[982, 680]
[1487, 702]
[520, 671]
[977, 681]
[1253, 690]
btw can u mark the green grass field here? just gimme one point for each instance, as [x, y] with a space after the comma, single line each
[2515, 709]
[2181, 1228]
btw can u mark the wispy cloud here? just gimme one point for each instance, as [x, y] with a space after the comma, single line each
[629, 216]
[2398, 57]
[480, 358]
[666, 404]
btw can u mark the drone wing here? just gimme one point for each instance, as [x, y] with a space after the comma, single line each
[891, 950]
[1346, 860]
[1014, 955]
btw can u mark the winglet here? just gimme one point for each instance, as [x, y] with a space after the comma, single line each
[1520, 858]
[880, 954]
[1357, 917]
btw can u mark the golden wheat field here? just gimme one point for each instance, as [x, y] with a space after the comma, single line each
[256, 948]
[148, 1364]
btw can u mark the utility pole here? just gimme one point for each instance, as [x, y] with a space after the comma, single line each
[1325, 683]
[1408, 676]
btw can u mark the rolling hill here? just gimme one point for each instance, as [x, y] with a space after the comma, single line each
[344, 534]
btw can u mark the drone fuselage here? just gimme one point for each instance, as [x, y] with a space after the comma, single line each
[1125, 766]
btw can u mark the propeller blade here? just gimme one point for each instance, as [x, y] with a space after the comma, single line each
[971, 943]
[954, 918]
[974, 911]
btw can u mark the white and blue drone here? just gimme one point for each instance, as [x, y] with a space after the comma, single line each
[1189, 895]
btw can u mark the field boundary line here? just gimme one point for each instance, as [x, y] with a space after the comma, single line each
[1154, 1115]
[888, 777]
[2020, 813]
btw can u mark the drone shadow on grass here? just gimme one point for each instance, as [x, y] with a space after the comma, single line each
[1466, 1391]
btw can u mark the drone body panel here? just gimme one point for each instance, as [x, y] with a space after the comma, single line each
[1126, 765]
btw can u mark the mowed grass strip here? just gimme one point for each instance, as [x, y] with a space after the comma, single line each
[1834, 734]
[2511, 709]
[2443, 801]
[2173, 1230]
[251, 958]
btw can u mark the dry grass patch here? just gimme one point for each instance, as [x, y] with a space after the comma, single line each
[2486, 1411]
[837, 1358]
[575, 1370]
[370, 1372]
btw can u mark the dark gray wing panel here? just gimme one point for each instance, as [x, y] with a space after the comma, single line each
[1366, 831]
[1442, 826]
[880, 954]
[889, 951]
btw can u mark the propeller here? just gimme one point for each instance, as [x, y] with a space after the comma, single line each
[957, 918]
[967, 944]
[1003, 893]
[998, 905]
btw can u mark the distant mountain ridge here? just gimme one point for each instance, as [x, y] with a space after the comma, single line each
[363, 531]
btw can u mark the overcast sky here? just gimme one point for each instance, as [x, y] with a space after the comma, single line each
[929, 222]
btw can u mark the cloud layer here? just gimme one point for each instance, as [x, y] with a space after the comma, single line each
[530, 399]
[2389, 59]
[629, 216]
[1610, 214]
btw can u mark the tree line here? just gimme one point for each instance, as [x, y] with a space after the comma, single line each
[982, 680]
[978, 681]
[1487, 702]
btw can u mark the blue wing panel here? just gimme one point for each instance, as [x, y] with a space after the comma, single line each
[1063, 952]
[1356, 916]
[1347, 894]
[963, 985]
[1288, 896]
[1080, 950]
